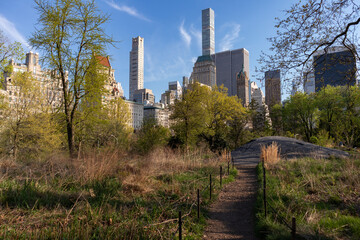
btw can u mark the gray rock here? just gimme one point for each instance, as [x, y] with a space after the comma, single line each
[249, 153]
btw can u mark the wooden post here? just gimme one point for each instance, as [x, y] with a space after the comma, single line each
[198, 203]
[180, 225]
[264, 188]
[228, 167]
[232, 161]
[210, 187]
[293, 229]
[220, 176]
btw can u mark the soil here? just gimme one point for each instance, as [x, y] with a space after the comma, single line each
[232, 216]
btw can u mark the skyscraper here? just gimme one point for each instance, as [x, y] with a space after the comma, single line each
[136, 75]
[228, 64]
[272, 87]
[336, 67]
[208, 32]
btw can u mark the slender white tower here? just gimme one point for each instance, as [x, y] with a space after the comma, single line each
[136, 75]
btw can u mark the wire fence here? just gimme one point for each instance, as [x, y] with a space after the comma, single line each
[196, 201]
[295, 233]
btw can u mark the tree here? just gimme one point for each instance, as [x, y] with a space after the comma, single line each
[330, 103]
[221, 110]
[8, 50]
[309, 26]
[21, 134]
[189, 114]
[301, 111]
[70, 33]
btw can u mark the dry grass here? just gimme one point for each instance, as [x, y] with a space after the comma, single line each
[270, 154]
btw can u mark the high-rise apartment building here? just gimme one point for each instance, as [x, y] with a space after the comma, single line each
[335, 67]
[272, 87]
[136, 75]
[228, 64]
[144, 96]
[208, 32]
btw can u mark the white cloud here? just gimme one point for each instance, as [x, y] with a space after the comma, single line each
[129, 10]
[184, 34]
[228, 41]
[11, 31]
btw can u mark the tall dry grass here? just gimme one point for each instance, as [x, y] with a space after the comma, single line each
[270, 154]
[136, 173]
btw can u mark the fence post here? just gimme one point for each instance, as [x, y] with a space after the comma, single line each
[198, 203]
[210, 187]
[232, 161]
[220, 176]
[180, 223]
[264, 188]
[228, 167]
[293, 229]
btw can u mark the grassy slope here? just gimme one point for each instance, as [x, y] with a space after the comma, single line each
[117, 199]
[323, 196]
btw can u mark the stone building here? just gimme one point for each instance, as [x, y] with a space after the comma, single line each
[49, 86]
[242, 82]
[113, 89]
[272, 88]
[204, 71]
[159, 113]
[136, 111]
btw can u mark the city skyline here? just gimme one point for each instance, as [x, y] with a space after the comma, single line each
[172, 33]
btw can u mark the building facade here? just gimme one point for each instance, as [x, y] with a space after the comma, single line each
[113, 90]
[335, 67]
[204, 71]
[144, 96]
[136, 111]
[160, 114]
[272, 87]
[208, 32]
[46, 82]
[228, 64]
[168, 97]
[175, 86]
[136, 75]
[242, 80]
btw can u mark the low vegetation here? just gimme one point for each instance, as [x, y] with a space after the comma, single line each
[107, 195]
[322, 194]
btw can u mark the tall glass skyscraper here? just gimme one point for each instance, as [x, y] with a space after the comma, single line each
[208, 32]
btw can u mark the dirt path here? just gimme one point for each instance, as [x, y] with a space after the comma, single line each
[232, 216]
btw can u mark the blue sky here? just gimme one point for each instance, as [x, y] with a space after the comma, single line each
[171, 31]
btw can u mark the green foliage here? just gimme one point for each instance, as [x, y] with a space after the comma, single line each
[70, 33]
[151, 136]
[209, 115]
[8, 50]
[300, 114]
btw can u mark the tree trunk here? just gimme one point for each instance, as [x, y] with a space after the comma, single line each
[70, 135]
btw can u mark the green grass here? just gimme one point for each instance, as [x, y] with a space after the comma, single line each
[61, 207]
[321, 194]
